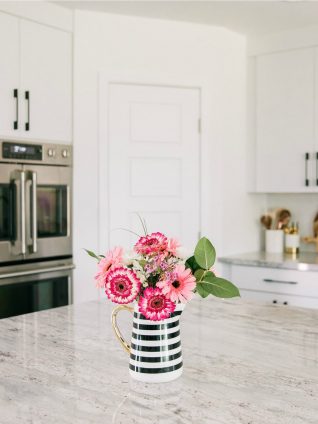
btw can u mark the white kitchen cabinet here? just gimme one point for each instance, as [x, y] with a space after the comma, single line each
[285, 121]
[277, 286]
[36, 61]
[9, 73]
[46, 77]
[280, 299]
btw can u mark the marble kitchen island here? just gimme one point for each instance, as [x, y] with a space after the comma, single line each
[244, 363]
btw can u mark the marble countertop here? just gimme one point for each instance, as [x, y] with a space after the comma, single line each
[244, 363]
[304, 261]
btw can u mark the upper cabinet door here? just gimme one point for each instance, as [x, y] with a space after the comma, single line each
[285, 121]
[46, 82]
[9, 73]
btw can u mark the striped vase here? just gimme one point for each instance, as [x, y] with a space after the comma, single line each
[155, 349]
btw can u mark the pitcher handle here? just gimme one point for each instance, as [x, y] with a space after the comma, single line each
[119, 336]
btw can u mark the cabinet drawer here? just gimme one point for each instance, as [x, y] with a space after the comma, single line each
[284, 281]
[280, 299]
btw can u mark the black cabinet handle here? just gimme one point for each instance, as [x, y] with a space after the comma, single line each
[274, 301]
[270, 280]
[285, 303]
[306, 169]
[27, 98]
[16, 96]
[317, 168]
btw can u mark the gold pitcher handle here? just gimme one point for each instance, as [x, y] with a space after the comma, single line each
[119, 336]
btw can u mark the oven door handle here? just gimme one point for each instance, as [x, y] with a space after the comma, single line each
[34, 230]
[37, 271]
[22, 212]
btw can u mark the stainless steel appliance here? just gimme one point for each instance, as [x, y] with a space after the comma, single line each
[35, 224]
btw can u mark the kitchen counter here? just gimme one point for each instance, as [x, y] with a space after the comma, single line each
[244, 363]
[304, 261]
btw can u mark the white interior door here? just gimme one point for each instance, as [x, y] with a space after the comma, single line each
[9, 73]
[153, 162]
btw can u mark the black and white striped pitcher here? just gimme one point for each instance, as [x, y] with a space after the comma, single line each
[155, 349]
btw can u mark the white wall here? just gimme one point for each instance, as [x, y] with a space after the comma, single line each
[303, 208]
[211, 57]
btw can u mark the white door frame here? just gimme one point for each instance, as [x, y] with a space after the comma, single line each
[105, 79]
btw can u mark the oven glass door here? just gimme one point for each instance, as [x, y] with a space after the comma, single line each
[12, 199]
[48, 211]
[33, 295]
[8, 212]
[51, 210]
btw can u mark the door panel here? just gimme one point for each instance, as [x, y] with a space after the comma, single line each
[285, 120]
[154, 161]
[9, 72]
[46, 73]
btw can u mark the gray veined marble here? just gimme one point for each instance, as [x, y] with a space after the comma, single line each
[304, 261]
[244, 363]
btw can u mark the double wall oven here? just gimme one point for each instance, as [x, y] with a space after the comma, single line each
[35, 227]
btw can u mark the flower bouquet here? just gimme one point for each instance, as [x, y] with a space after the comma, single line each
[160, 282]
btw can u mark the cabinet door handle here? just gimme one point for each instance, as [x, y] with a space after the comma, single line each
[27, 98]
[306, 169]
[16, 96]
[269, 280]
[317, 168]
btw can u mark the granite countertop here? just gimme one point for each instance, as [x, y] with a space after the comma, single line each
[304, 261]
[244, 363]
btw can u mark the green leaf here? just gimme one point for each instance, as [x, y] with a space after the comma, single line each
[218, 287]
[192, 264]
[199, 274]
[204, 253]
[201, 289]
[92, 254]
[142, 263]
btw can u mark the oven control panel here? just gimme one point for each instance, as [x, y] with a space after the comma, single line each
[46, 154]
[21, 151]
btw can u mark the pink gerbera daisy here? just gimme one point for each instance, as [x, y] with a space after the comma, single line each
[112, 257]
[180, 285]
[154, 305]
[172, 246]
[152, 243]
[122, 285]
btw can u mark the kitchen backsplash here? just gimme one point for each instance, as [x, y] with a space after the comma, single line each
[303, 208]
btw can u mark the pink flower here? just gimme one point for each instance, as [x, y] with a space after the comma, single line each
[154, 305]
[172, 246]
[122, 285]
[180, 285]
[152, 243]
[112, 257]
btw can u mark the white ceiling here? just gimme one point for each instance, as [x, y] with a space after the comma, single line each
[246, 17]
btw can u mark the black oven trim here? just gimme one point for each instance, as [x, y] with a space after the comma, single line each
[29, 261]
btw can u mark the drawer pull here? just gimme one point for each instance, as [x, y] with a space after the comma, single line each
[269, 280]
[274, 301]
[285, 303]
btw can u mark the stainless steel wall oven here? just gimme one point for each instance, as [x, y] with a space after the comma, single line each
[35, 225]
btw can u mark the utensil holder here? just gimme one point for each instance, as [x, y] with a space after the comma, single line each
[274, 241]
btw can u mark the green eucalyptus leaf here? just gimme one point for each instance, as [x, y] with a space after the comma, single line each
[92, 254]
[192, 264]
[218, 287]
[201, 290]
[199, 274]
[204, 253]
